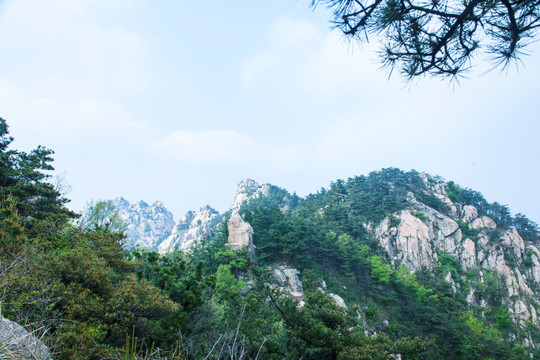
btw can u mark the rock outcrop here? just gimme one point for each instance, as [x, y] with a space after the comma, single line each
[409, 243]
[246, 190]
[240, 232]
[289, 280]
[191, 228]
[413, 237]
[417, 236]
[147, 225]
[17, 343]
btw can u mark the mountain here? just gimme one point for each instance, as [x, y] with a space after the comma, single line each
[389, 265]
[414, 254]
[191, 228]
[419, 235]
[147, 225]
[375, 233]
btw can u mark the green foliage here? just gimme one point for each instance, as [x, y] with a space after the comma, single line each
[420, 215]
[235, 259]
[90, 294]
[528, 229]
[467, 231]
[275, 198]
[380, 270]
[394, 221]
[527, 262]
[499, 213]
[23, 177]
[320, 329]
[101, 215]
[279, 237]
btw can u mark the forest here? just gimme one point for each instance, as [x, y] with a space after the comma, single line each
[87, 297]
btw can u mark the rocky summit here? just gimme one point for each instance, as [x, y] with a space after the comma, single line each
[418, 222]
[190, 229]
[147, 225]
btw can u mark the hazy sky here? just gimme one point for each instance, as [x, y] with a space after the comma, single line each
[178, 101]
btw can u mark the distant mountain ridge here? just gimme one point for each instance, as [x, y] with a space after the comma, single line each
[152, 226]
[147, 225]
[191, 228]
[421, 222]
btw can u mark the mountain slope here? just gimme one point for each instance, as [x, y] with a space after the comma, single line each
[378, 233]
[411, 254]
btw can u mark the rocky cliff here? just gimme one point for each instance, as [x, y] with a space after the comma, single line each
[191, 228]
[417, 235]
[247, 190]
[464, 250]
[147, 225]
[152, 226]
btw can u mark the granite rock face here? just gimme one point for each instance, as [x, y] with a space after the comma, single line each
[289, 280]
[147, 225]
[240, 232]
[413, 237]
[17, 343]
[416, 237]
[409, 243]
[246, 190]
[193, 227]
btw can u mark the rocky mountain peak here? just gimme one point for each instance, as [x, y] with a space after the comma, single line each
[190, 229]
[246, 190]
[147, 226]
[120, 203]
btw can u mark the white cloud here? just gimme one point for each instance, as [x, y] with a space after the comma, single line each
[285, 40]
[255, 66]
[336, 66]
[209, 147]
[287, 33]
[64, 68]
[384, 134]
[61, 47]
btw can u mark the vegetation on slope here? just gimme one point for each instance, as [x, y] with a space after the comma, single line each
[91, 299]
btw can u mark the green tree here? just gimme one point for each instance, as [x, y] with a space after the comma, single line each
[439, 37]
[24, 177]
[102, 215]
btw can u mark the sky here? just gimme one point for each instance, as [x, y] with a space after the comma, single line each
[178, 101]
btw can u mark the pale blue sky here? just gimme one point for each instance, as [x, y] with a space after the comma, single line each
[178, 101]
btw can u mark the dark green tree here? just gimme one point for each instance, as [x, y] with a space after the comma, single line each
[439, 37]
[24, 177]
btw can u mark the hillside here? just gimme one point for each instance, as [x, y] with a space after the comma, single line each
[388, 265]
[385, 231]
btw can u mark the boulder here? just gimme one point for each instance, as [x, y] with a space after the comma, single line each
[240, 232]
[288, 279]
[17, 343]
[338, 300]
[469, 213]
[512, 240]
[483, 222]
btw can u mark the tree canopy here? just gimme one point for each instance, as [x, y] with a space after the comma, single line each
[439, 37]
